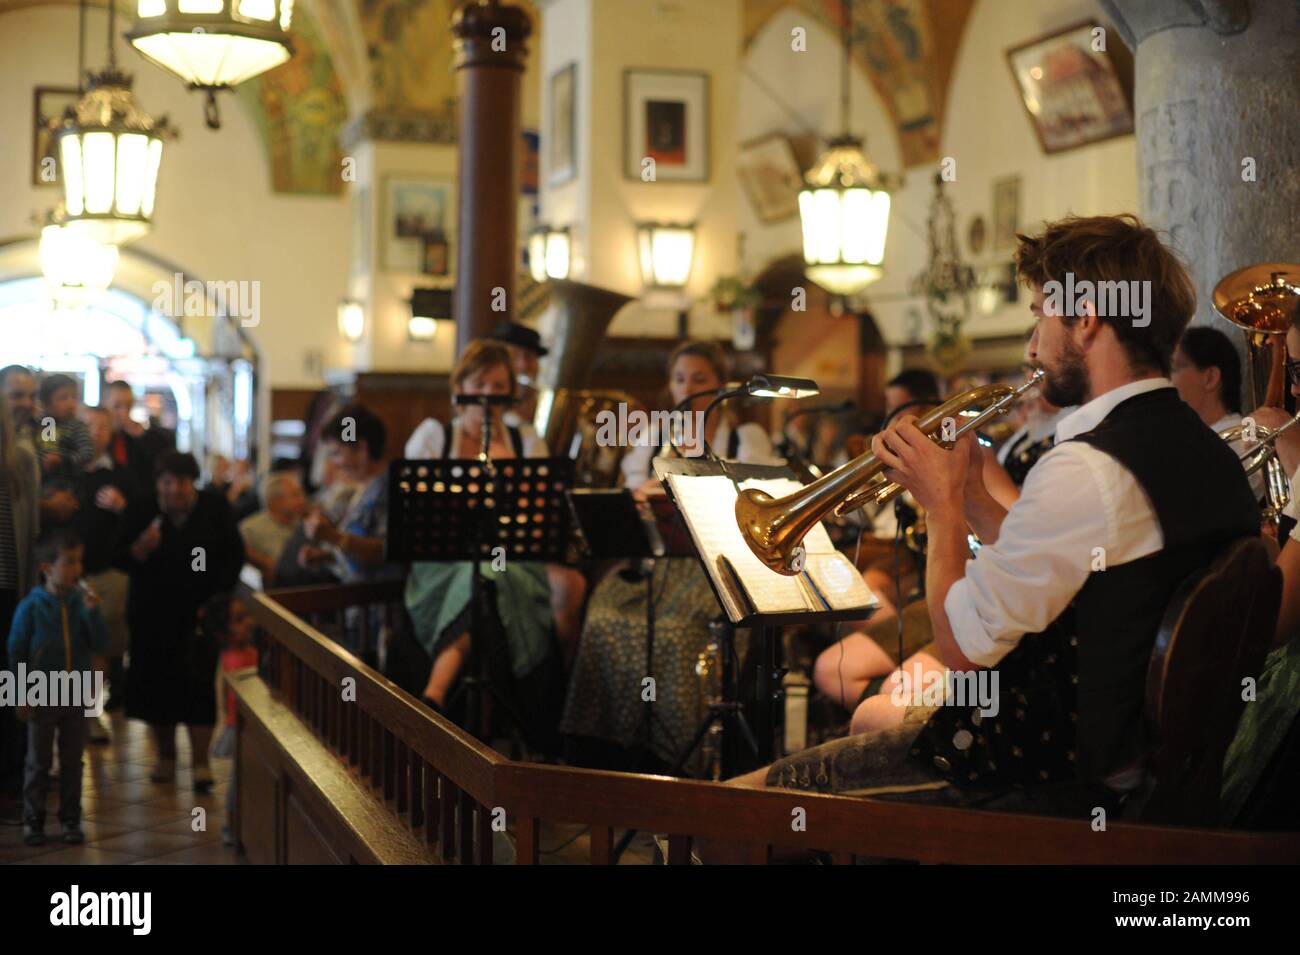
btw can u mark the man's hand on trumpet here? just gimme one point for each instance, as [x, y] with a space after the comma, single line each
[936, 477]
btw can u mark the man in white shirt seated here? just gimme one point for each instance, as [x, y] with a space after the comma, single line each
[1047, 633]
[266, 532]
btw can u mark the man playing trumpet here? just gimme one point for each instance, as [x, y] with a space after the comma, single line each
[1058, 613]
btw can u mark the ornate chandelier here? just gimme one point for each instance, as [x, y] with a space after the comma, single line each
[845, 208]
[213, 44]
[109, 151]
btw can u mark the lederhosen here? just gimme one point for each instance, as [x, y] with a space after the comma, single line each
[1070, 702]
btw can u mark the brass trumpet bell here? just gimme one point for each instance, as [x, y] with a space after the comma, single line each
[774, 528]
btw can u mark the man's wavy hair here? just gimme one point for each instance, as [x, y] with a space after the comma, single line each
[1116, 249]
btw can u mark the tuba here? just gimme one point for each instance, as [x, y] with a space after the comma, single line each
[1264, 301]
[566, 409]
[774, 528]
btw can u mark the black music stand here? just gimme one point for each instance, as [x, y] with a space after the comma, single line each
[475, 510]
[764, 627]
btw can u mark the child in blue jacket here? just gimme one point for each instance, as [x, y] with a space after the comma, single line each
[57, 629]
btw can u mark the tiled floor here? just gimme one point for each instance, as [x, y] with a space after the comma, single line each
[129, 820]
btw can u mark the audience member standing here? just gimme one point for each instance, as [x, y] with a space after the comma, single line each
[134, 446]
[18, 385]
[62, 440]
[105, 492]
[180, 547]
[20, 490]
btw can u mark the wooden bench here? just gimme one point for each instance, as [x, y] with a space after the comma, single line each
[444, 790]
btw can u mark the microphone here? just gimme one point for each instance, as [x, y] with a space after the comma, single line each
[493, 401]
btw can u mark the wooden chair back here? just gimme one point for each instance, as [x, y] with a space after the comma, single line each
[1214, 635]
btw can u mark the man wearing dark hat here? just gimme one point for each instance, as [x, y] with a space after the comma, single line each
[526, 349]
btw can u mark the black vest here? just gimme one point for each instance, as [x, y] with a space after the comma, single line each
[1071, 698]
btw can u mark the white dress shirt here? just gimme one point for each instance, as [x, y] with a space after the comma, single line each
[429, 439]
[1075, 500]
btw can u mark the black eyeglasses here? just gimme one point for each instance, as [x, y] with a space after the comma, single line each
[1293, 371]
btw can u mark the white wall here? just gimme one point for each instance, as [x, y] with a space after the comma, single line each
[986, 130]
[215, 216]
[605, 38]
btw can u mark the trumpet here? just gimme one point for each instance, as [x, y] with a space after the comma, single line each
[1263, 454]
[774, 528]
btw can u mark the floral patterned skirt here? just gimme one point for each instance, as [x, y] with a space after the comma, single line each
[606, 687]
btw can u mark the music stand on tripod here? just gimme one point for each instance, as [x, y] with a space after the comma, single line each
[472, 511]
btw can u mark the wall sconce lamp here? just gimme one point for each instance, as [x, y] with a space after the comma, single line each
[352, 320]
[666, 254]
[428, 306]
[548, 253]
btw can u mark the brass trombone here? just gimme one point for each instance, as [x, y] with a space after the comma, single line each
[774, 528]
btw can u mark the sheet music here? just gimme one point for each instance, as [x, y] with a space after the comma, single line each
[830, 581]
[709, 504]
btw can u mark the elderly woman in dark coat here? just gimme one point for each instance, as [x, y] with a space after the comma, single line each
[180, 546]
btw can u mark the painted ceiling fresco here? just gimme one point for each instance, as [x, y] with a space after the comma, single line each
[299, 109]
[906, 48]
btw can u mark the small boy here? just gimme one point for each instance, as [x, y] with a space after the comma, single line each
[56, 630]
[62, 440]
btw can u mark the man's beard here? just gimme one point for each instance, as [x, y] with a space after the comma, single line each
[1066, 385]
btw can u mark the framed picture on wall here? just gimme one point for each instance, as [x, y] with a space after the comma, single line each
[666, 119]
[1006, 211]
[1076, 85]
[435, 260]
[416, 209]
[48, 104]
[771, 177]
[562, 148]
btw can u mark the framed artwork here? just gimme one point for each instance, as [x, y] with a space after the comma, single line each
[417, 209]
[562, 150]
[48, 104]
[666, 118]
[436, 254]
[771, 178]
[1006, 211]
[1076, 86]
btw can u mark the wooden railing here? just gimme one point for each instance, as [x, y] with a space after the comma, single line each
[441, 791]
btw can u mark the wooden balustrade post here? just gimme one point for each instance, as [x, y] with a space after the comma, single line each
[528, 840]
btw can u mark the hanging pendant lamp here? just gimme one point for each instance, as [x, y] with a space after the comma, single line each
[844, 210]
[109, 151]
[213, 45]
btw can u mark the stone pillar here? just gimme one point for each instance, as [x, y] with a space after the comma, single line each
[1217, 92]
[490, 56]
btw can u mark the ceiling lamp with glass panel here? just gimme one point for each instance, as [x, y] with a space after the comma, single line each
[844, 206]
[213, 44]
[109, 152]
